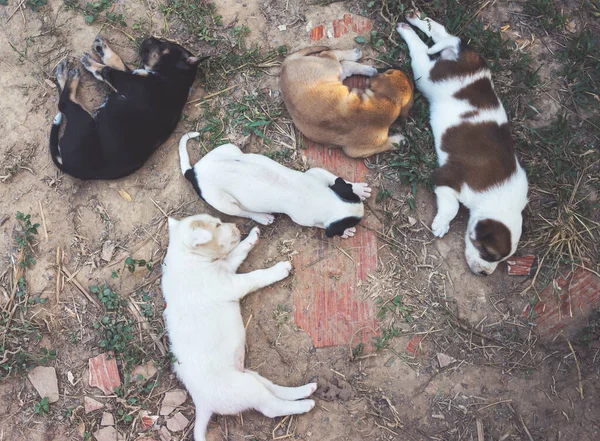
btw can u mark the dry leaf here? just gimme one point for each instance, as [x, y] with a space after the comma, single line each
[125, 195]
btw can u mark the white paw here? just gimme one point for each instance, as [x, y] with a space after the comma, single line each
[310, 389]
[362, 190]
[370, 71]
[99, 46]
[87, 61]
[356, 55]
[349, 232]
[307, 405]
[402, 27]
[413, 16]
[263, 218]
[253, 236]
[283, 269]
[439, 227]
[397, 139]
[61, 72]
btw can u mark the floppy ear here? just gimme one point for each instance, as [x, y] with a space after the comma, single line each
[329, 232]
[200, 236]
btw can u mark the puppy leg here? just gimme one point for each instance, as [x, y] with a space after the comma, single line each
[61, 74]
[360, 151]
[349, 55]
[225, 203]
[239, 253]
[108, 56]
[420, 62]
[68, 94]
[361, 189]
[247, 392]
[447, 203]
[258, 279]
[285, 393]
[349, 232]
[202, 420]
[92, 66]
[429, 27]
[350, 68]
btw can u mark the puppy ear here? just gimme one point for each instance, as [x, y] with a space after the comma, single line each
[200, 236]
[329, 232]
[196, 60]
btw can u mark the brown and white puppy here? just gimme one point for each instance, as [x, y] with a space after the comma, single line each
[327, 112]
[478, 166]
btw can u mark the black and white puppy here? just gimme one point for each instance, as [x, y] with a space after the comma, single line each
[478, 165]
[254, 186]
[135, 119]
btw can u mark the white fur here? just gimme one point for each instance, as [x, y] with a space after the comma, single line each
[202, 292]
[254, 186]
[503, 203]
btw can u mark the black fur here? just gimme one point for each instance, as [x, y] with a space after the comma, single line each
[134, 121]
[344, 192]
[337, 228]
[190, 175]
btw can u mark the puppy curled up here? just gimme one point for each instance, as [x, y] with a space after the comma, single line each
[255, 187]
[202, 292]
[328, 112]
[136, 118]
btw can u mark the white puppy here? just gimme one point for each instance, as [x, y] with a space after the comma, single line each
[202, 292]
[478, 166]
[255, 186]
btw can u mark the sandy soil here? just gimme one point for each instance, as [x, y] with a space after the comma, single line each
[525, 391]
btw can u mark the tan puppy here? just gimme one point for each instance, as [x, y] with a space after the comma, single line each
[328, 112]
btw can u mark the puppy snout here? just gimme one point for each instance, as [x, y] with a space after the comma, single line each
[484, 273]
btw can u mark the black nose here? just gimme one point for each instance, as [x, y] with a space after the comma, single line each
[483, 273]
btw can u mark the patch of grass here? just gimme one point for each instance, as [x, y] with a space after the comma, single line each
[42, 407]
[199, 17]
[34, 5]
[395, 306]
[26, 238]
[131, 264]
[115, 329]
[92, 11]
[383, 341]
[546, 13]
[581, 64]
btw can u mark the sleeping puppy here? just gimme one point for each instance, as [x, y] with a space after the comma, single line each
[255, 186]
[327, 112]
[478, 166]
[135, 119]
[202, 292]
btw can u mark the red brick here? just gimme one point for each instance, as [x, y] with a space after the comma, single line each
[104, 373]
[565, 305]
[317, 33]
[414, 345]
[520, 265]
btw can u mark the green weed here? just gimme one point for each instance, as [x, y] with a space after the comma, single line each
[92, 11]
[383, 341]
[396, 306]
[34, 5]
[42, 407]
[546, 13]
[131, 264]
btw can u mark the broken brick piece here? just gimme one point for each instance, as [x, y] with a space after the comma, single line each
[414, 345]
[565, 305]
[520, 265]
[90, 405]
[104, 373]
[45, 382]
[340, 27]
[177, 422]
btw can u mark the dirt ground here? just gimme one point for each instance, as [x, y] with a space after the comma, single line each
[503, 383]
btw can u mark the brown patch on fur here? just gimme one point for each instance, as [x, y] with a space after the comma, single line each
[328, 112]
[468, 63]
[469, 114]
[492, 240]
[479, 94]
[480, 155]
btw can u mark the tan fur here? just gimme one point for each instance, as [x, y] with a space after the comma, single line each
[327, 112]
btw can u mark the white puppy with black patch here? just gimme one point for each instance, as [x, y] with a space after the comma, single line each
[478, 166]
[202, 293]
[254, 186]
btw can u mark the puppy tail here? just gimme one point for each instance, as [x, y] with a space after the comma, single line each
[184, 158]
[54, 150]
[184, 161]
[308, 51]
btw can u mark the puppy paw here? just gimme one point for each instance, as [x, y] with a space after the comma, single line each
[369, 71]
[307, 405]
[397, 139]
[99, 46]
[74, 74]
[61, 73]
[362, 190]
[87, 60]
[413, 15]
[356, 55]
[402, 27]
[439, 227]
[253, 236]
[349, 232]
[263, 218]
[282, 269]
